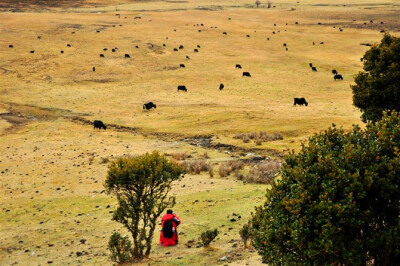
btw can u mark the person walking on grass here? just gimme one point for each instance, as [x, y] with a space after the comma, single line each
[169, 233]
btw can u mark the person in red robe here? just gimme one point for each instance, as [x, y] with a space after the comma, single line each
[169, 222]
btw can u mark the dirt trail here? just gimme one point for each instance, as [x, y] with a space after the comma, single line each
[19, 115]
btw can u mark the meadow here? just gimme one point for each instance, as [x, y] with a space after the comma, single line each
[53, 163]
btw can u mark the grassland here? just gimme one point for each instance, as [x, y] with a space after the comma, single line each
[53, 164]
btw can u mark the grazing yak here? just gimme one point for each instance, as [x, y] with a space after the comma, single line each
[11, 46]
[187, 57]
[68, 45]
[99, 124]
[246, 74]
[101, 55]
[176, 50]
[221, 86]
[334, 72]
[181, 46]
[338, 76]
[32, 52]
[62, 51]
[105, 49]
[94, 69]
[196, 50]
[238, 66]
[310, 64]
[300, 101]
[113, 50]
[198, 46]
[182, 88]
[314, 69]
[149, 105]
[127, 56]
[182, 65]
[225, 33]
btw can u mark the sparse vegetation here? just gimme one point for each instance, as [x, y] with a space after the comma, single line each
[226, 168]
[245, 233]
[120, 248]
[208, 236]
[262, 173]
[180, 156]
[259, 138]
[141, 185]
[196, 166]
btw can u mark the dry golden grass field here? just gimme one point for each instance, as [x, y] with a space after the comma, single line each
[53, 163]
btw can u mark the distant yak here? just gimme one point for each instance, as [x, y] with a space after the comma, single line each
[300, 101]
[182, 88]
[99, 124]
[246, 74]
[338, 76]
[149, 105]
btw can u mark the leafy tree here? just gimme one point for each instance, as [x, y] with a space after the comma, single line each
[377, 88]
[338, 201]
[141, 185]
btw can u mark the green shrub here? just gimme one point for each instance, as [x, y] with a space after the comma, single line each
[377, 88]
[338, 201]
[245, 233]
[208, 236]
[120, 248]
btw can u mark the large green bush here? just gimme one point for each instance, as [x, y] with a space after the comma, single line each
[338, 201]
[377, 88]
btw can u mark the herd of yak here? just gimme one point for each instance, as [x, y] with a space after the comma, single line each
[150, 105]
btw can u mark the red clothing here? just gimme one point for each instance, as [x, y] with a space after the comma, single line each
[174, 239]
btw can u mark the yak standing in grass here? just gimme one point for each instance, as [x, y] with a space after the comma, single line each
[149, 105]
[300, 101]
[99, 124]
[182, 88]
[246, 74]
[338, 76]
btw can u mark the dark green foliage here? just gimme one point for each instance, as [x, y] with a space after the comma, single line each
[245, 233]
[208, 236]
[141, 185]
[120, 248]
[377, 88]
[338, 201]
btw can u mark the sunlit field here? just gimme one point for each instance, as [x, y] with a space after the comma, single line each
[53, 163]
